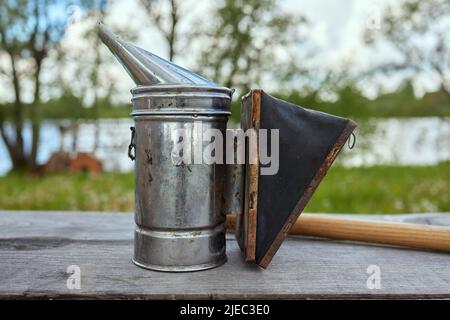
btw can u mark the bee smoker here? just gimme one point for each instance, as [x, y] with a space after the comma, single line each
[180, 205]
[179, 211]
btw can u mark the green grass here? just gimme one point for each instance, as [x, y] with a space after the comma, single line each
[384, 189]
[381, 189]
[105, 192]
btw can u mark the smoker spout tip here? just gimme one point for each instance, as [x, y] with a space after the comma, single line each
[104, 33]
[100, 27]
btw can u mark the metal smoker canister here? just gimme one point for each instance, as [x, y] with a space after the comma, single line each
[178, 207]
[179, 210]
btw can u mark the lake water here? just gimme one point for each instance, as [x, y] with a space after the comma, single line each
[399, 141]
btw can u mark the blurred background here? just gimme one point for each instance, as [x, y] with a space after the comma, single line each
[65, 101]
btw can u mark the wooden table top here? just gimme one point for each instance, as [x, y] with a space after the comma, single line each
[36, 249]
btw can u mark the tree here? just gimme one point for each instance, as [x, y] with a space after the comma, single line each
[29, 31]
[418, 30]
[166, 20]
[92, 33]
[244, 41]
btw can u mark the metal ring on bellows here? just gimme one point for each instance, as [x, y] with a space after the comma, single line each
[352, 145]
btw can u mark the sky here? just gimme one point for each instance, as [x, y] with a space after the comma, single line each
[335, 27]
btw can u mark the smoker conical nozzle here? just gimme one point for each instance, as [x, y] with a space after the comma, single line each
[144, 67]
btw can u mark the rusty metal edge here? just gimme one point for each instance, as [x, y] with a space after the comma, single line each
[319, 175]
[252, 177]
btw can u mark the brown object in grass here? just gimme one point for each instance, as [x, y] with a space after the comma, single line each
[72, 162]
[85, 162]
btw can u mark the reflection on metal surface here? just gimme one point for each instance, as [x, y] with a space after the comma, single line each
[145, 67]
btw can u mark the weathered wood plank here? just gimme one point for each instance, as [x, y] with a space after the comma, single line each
[37, 247]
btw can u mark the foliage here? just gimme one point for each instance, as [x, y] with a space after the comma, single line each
[384, 189]
[400, 103]
[29, 32]
[418, 31]
[106, 192]
[243, 41]
[166, 21]
[379, 189]
[352, 103]
[68, 106]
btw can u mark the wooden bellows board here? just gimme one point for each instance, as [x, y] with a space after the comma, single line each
[308, 141]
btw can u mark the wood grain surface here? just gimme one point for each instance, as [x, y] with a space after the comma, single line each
[37, 247]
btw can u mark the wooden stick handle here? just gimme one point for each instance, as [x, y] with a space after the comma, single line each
[373, 231]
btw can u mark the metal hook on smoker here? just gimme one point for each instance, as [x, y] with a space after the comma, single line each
[351, 145]
[132, 145]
